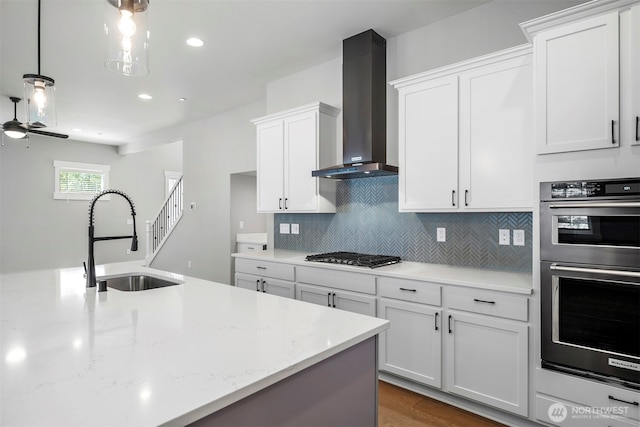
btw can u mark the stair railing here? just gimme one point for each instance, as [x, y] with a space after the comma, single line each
[165, 221]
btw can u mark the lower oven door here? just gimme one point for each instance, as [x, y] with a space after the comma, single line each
[591, 321]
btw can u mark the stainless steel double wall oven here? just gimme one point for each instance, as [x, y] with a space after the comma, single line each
[590, 278]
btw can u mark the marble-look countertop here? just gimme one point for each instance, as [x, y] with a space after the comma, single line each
[520, 283]
[169, 356]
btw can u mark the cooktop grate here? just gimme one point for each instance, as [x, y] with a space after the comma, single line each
[353, 258]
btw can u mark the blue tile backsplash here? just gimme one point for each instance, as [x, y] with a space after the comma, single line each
[367, 220]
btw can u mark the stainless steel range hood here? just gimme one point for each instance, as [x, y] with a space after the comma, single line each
[364, 107]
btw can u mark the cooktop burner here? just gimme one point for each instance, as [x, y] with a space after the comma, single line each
[353, 258]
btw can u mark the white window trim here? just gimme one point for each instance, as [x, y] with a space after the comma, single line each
[91, 167]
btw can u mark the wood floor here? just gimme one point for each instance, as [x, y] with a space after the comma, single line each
[398, 407]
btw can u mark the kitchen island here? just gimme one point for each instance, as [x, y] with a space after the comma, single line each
[199, 352]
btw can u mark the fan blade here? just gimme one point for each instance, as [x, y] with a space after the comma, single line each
[45, 133]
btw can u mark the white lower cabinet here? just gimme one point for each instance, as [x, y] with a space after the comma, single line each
[486, 360]
[267, 285]
[567, 400]
[411, 347]
[336, 298]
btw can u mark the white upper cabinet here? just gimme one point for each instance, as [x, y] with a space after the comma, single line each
[465, 139]
[633, 75]
[577, 85]
[290, 145]
[428, 162]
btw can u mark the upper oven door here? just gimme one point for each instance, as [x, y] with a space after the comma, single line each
[590, 232]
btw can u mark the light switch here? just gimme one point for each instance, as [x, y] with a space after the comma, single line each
[284, 228]
[503, 237]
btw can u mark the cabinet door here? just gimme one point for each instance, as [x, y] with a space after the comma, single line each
[354, 303]
[281, 288]
[428, 145]
[496, 142]
[247, 281]
[577, 86]
[487, 360]
[270, 166]
[300, 188]
[411, 347]
[633, 76]
[314, 294]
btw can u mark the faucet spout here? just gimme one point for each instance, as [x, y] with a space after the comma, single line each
[91, 264]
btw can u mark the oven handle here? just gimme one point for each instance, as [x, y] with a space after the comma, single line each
[596, 205]
[557, 267]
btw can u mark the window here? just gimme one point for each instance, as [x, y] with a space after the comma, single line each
[79, 181]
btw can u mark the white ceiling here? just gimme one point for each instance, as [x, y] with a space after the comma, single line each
[247, 45]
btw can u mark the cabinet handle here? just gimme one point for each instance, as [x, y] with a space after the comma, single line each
[258, 285]
[285, 203]
[637, 135]
[259, 267]
[466, 197]
[449, 323]
[484, 301]
[329, 299]
[280, 203]
[613, 138]
[408, 290]
[334, 300]
[436, 321]
[624, 401]
[263, 282]
[453, 197]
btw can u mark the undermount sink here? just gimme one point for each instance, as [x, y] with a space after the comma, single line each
[137, 282]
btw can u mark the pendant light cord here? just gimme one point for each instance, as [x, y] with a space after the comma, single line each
[39, 3]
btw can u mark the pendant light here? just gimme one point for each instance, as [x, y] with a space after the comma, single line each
[127, 36]
[39, 94]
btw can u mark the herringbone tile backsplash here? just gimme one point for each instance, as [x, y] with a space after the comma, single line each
[368, 221]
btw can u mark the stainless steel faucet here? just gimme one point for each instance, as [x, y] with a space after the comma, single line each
[91, 271]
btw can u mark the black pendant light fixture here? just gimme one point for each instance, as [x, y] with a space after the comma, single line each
[127, 36]
[39, 94]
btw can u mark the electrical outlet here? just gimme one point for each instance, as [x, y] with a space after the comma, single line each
[518, 237]
[441, 234]
[503, 237]
[128, 251]
[284, 228]
[129, 221]
[241, 225]
[295, 228]
[189, 264]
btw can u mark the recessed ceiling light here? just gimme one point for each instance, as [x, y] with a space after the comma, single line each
[195, 42]
[76, 130]
[145, 96]
[182, 99]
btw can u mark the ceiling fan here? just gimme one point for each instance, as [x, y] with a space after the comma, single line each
[15, 129]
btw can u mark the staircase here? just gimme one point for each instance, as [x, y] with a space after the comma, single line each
[161, 227]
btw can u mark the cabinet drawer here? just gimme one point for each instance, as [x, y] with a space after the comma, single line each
[410, 290]
[357, 282]
[265, 268]
[588, 392]
[486, 302]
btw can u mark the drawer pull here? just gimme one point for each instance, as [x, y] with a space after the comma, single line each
[624, 401]
[484, 301]
[436, 321]
[408, 290]
[613, 132]
[261, 268]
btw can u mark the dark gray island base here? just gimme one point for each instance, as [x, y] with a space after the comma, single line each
[339, 391]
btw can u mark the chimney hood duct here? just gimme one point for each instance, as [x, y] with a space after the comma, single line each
[364, 107]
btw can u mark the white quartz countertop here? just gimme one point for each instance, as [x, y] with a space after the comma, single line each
[505, 281]
[168, 356]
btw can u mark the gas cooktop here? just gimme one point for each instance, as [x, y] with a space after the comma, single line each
[353, 258]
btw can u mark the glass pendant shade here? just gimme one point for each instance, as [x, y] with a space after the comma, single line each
[39, 95]
[127, 37]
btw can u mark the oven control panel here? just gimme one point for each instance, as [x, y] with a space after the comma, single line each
[609, 188]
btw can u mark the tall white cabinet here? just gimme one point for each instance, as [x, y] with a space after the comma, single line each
[465, 135]
[290, 145]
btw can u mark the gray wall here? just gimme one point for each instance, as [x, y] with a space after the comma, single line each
[214, 149]
[38, 232]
